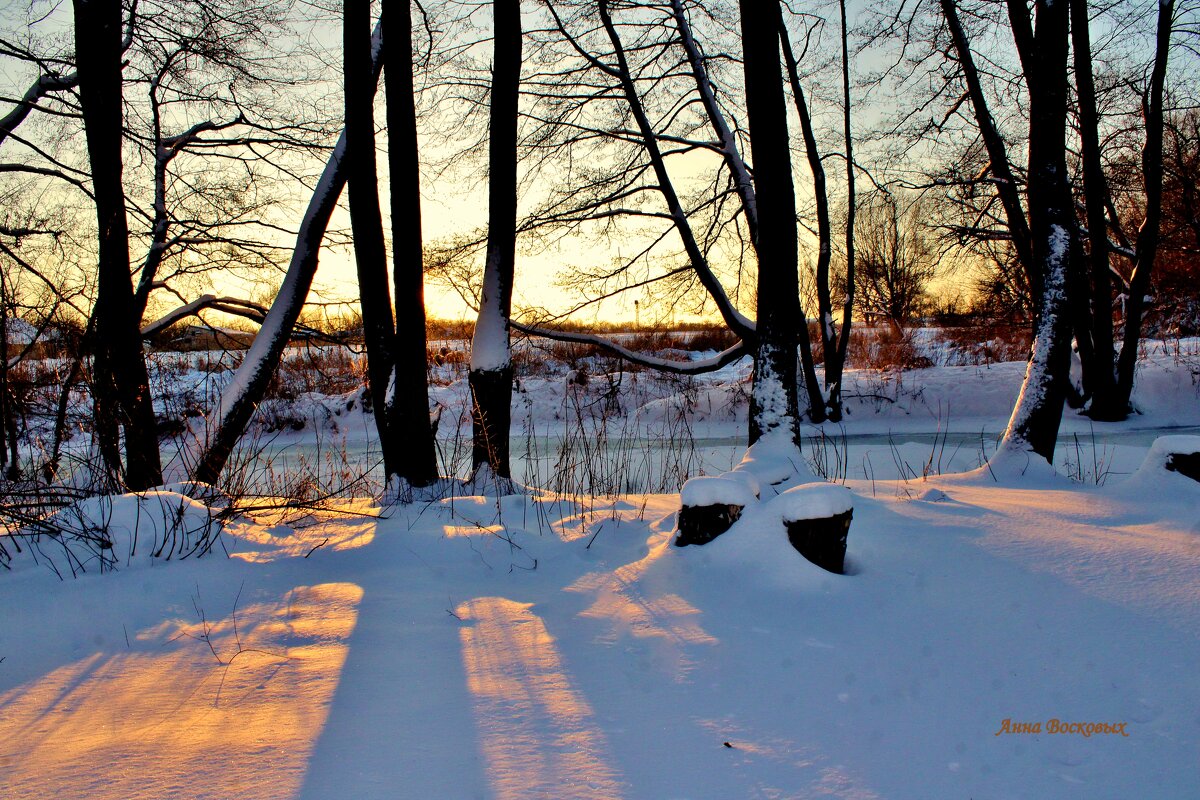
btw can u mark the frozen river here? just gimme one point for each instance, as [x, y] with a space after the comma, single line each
[570, 463]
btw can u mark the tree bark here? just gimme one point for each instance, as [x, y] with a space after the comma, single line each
[6, 409]
[773, 400]
[408, 392]
[835, 357]
[119, 364]
[1099, 376]
[1148, 233]
[1038, 411]
[366, 221]
[816, 404]
[491, 374]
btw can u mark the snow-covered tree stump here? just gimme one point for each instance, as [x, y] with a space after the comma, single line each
[1187, 464]
[817, 517]
[709, 507]
[1179, 454]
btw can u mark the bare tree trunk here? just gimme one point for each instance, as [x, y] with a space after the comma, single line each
[228, 420]
[1148, 234]
[119, 365]
[491, 375]
[816, 404]
[408, 393]
[366, 220]
[7, 465]
[773, 400]
[1034, 424]
[835, 356]
[50, 468]
[1099, 375]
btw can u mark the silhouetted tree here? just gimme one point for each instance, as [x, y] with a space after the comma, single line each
[491, 375]
[120, 390]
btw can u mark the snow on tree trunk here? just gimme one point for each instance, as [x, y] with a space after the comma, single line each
[773, 400]
[121, 389]
[229, 417]
[1034, 423]
[1033, 427]
[491, 372]
[744, 183]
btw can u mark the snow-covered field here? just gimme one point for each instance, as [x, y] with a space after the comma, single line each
[557, 646]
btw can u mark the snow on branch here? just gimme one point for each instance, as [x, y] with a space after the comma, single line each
[727, 144]
[228, 305]
[651, 362]
[44, 85]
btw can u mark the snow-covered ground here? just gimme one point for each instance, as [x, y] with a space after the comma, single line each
[558, 646]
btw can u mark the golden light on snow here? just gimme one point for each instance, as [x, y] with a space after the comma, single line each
[453, 531]
[271, 535]
[1077, 537]
[174, 717]
[537, 732]
[671, 622]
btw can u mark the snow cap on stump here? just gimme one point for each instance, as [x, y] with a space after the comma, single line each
[814, 501]
[817, 517]
[710, 506]
[709, 491]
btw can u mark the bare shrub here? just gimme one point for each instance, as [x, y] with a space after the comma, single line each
[986, 342]
[884, 348]
[325, 369]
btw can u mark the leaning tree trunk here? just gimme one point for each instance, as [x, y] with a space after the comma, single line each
[366, 221]
[228, 419]
[1005, 182]
[119, 365]
[408, 393]
[773, 400]
[491, 374]
[1034, 424]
